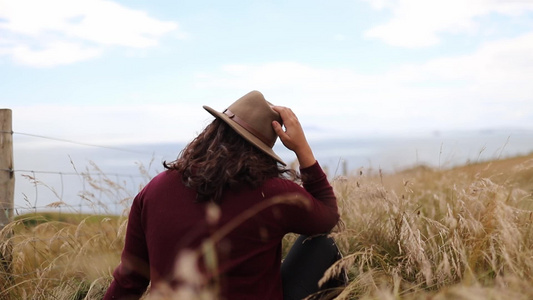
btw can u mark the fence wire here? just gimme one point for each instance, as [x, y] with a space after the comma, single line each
[91, 191]
[87, 193]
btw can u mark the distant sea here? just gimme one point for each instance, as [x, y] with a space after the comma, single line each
[55, 165]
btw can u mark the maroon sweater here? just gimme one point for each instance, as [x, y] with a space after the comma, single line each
[165, 220]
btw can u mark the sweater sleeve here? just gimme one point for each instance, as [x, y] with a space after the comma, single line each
[132, 276]
[321, 215]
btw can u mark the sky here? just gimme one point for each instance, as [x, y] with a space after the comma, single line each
[130, 72]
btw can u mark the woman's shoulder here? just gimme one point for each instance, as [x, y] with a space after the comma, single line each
[168, 174]
[281, 185]
[167, 177]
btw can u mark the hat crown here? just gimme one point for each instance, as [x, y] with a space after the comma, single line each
[257, 114]
[251, 117]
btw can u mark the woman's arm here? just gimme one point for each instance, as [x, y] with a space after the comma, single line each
[132, 276]
[322, 213]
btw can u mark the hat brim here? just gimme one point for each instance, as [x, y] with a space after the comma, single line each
[245, 134]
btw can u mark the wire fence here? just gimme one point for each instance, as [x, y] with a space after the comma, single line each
[74, 190]
[97, 193]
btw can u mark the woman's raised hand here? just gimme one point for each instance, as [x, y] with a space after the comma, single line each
[293, 136]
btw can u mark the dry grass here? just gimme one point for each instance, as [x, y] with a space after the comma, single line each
[60, 260]
[462, 233]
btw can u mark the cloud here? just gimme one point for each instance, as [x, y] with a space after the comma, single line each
[487, 88]
[500, 69]
[53, 54]
[48, 33]
[418, 23]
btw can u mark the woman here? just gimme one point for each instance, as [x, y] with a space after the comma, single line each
[215, 219]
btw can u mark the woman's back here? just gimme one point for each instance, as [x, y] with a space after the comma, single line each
[247, 227]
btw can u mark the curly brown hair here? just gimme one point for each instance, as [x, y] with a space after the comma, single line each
[219, 158]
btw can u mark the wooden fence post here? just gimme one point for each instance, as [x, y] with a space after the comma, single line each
[7, 188]
[7, 176]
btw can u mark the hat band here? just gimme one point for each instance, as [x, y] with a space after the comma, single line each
[249, 128]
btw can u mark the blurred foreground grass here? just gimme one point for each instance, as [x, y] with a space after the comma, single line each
[461, 233]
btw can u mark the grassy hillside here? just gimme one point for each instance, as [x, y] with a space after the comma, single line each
[461, 233]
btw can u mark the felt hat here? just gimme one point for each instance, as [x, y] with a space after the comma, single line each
[251, 117]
